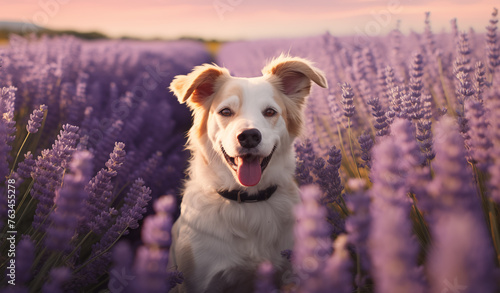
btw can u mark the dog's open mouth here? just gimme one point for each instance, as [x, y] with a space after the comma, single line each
[248, 167]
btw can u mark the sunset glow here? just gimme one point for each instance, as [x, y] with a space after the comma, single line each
[240, 19]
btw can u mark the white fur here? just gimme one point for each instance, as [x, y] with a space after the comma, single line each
[215, 236]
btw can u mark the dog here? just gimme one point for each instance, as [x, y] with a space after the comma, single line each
[238, 198]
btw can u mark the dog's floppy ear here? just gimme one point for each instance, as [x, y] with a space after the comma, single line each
[197, 85]
[295, 75]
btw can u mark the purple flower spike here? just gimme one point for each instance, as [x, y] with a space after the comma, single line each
[313, 245]
[24, 260]
[462, 258]
[151, 270]
[156, 229]
[380, 118]
[136, 201]
[391, 241]
[359, 222]
[452, 185]
[7, 127]
[25, 167]
[152, 258]
[265, 278]
[366, 143]
[48, 173]
[305, 158]
[36, 119]
[100, 192]
[337, 273]
[479, 141]
[347, 100]
[69, 201]
[121, 275]
[492, 47]
[58, 278]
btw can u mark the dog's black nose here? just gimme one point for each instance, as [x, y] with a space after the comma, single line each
[250, 138]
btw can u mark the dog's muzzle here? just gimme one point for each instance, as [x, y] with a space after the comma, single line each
[248, 167]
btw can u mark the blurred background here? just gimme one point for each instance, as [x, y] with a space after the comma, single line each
[222, 20]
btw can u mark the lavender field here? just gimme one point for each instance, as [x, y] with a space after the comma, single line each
[399, 167]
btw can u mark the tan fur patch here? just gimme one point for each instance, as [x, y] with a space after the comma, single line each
[292, 111]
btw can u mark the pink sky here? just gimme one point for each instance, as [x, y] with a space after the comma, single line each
[242, 19]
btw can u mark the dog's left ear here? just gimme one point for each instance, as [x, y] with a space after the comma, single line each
[295, 74]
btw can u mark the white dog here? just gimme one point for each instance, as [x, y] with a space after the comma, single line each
[236, 211]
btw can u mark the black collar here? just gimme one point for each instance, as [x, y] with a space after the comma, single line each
[242, 196]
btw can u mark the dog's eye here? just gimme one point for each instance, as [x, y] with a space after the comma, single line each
[226, 112]
[270, 112]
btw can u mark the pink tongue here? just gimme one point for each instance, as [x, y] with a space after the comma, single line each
[249, 171]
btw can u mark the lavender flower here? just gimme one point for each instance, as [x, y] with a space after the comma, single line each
[412, 106]
[147, 168]
[65, 144]
[395, 94]
[480, 81]
[462, 62]
[156, 229]
[429, 38]
[493, 50]
[380, 119]
[47, 178]
[305, 158]
[452, 184]
[391, 242]
[347, 100]
[424, 128]
[337, 272]
[479, 141]
[69, 201]
[105, 145]
[36, 119]
[462, 257]
[7, 127]
[25, 167]
[265, 278]
[121, 275]
[314, 246]
[328, 179]
[24, 260]
[156, 237]
[366, 143]
[100, 192]
[358, 225]
[58, 278]
[140, 195]
[48, 173]
[150, 267]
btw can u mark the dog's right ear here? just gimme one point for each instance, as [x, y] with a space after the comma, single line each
[197, 85]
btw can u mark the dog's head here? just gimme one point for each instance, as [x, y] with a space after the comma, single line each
[247, 121]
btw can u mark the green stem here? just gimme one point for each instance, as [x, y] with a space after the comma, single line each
[25, 195]
[18, 154]
[27, 208]
[101, 253]
[351, 147]
[43, 222]
[494, 228]
[342, 149]
[41, 275]
[78, 246]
